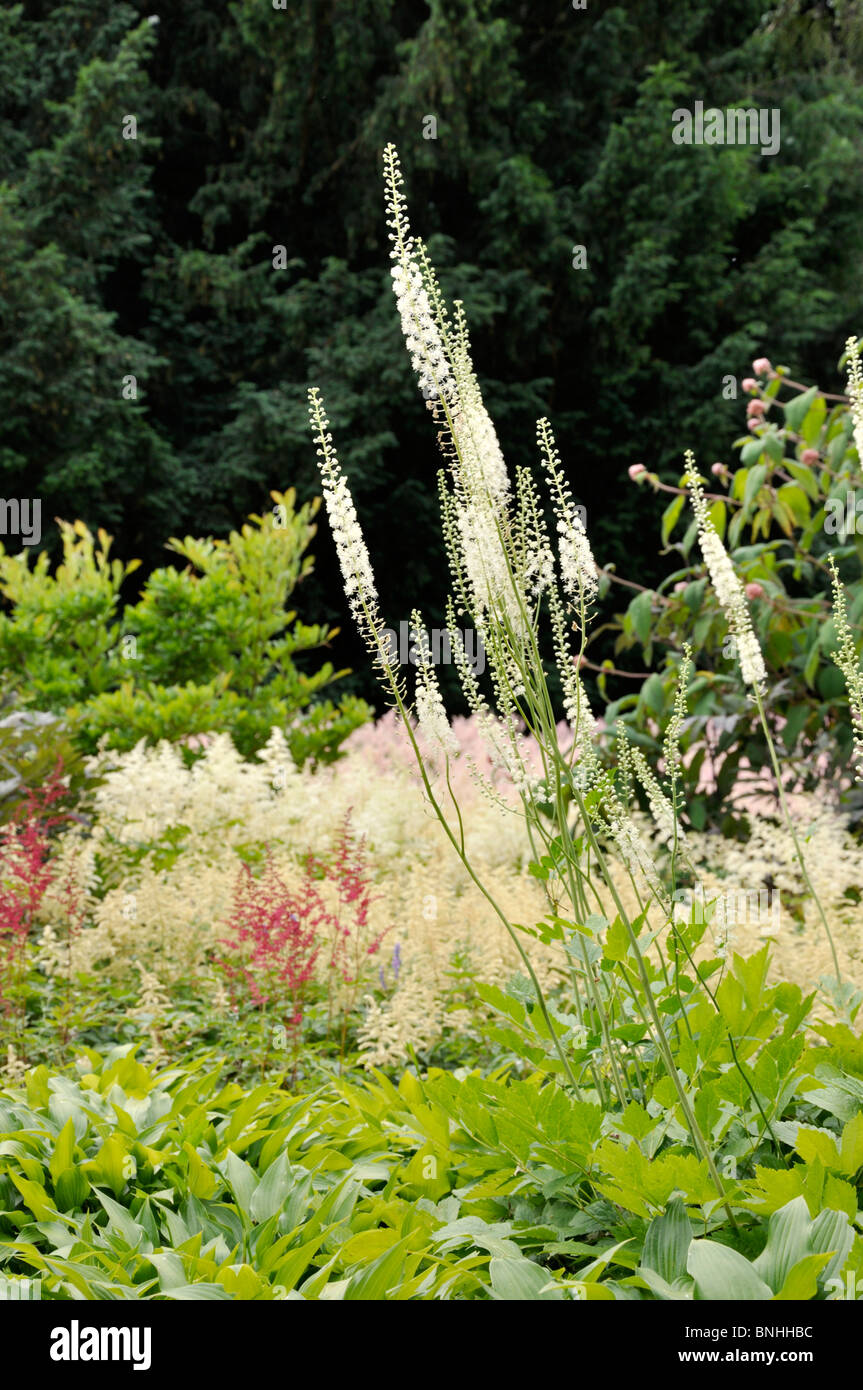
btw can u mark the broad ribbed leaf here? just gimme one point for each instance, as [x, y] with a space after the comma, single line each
[722, 1274]
[518, 1279]
[667, 1242]
[787, 1242]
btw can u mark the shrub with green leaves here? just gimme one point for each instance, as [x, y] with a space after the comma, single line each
[209, 647]
[790, 503]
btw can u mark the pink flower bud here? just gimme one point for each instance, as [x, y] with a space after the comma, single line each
[749, 384]
[809, 456]
[756, 407]
[754, 591]
[761, 366]
[753, 423]
[717, 469]
[680, 586]
[636, 471]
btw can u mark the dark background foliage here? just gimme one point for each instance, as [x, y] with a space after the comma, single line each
[260, 127]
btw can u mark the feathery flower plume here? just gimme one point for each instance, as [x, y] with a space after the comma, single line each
[577, 566]
[847, 660]
[353, 555]
[431, 713]
[661, 808]
[576, 706]
[420, 325]
[726, 584]
[535, 560]
[631, 847]
[671, 743]
[855, 391]
[481, 469]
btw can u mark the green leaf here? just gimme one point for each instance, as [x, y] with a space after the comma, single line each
[640, 613]
[805, 477]
[797, 408]
[35, 1198]
[802, 1280]
[753, 483]
[71, 1189]
[670, 516]
[197, 1293]
[64, 1150]
[722, 1274]
[851, 1152]
[200, 1180]
[273, 1189]
[814, 422]
[377, 1279]
[787, 1242]
[774, 447]
[297, 1262]
[240, 1178]
[653, 693]
[616, 944]
[121, 1221]
[833, 1233]
[519, 1280]
[718, 515]
[795, 500]
[110, 1165]
[751, 452]
[667, 1242]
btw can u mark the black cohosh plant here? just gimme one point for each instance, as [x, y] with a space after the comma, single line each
[637, 999]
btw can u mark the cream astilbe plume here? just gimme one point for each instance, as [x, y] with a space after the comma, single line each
[726, 584]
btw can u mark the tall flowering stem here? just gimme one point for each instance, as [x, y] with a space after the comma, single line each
[847, 660]
[854, 369]
[729, 592]
[506, 574]
[726, 584]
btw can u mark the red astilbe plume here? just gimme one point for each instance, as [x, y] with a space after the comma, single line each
[273, 941]
[352, 939]
[25, 876]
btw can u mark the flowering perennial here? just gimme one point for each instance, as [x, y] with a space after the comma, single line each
[729, 590]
